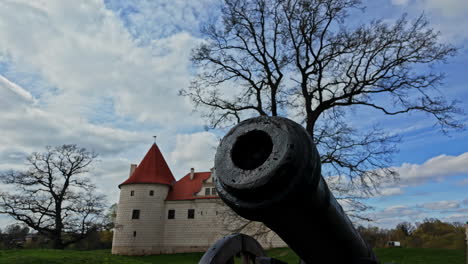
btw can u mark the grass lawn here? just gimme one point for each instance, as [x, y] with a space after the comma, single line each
[420, 256]
[50, 256]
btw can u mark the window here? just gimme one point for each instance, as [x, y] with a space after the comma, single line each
[213, 191]
[207, 191]
[134, 233]
[171, 214]
[132, 193]
[136, 214]
[151, 193]
[191, 214]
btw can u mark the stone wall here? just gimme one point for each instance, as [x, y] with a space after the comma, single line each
[190, 235]
[182, 234]
[154, 233]
[144, 235]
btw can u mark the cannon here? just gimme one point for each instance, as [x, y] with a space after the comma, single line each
[268, 170]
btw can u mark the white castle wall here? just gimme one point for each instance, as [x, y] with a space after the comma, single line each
[149, 227]
[190, 235]
[156, 234]
[193, 235]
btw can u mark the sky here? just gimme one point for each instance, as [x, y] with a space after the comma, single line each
[105, 75]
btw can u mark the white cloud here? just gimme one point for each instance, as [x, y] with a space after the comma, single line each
[108, 174]
[193, 151]
[448, 8]
[461, 218]
[400, 2]
[392, 215]
[5, 221]
[456, 211]
[16, 90]
[84, 52]
[445, 210]
[26, 127]
[390, 191]
[436, 168]
[443, 15]
[440, 205]
[146, 19]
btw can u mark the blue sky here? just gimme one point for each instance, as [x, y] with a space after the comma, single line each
[105, 75]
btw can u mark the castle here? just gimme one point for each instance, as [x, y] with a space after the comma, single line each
[157, 214]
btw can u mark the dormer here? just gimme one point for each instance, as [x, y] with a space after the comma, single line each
[207, 189]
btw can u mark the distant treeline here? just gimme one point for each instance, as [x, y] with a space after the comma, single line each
[431, 233]
[18, 236]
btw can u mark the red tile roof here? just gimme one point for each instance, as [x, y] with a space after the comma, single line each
[185, 188]
[152, 169]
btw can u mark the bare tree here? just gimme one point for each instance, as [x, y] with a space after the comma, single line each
[110, 217]
[301, 58]
[233, 223]
[406, 228]
[54, 196]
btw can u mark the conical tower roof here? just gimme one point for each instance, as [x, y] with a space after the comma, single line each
[152, 169]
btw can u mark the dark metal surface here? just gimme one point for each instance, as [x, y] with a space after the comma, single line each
[228, 247]
[268, 170]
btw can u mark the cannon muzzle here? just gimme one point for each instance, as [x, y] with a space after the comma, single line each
[268, 170]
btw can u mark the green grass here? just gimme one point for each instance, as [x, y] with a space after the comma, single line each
[420, 256]
[50, 256]
[393, 255]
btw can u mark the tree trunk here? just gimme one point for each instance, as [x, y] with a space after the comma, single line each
[312, 117]
[58, 243]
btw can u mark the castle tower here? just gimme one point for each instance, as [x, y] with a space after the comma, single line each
[140, 218]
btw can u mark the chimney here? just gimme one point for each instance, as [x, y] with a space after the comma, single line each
[212, 170]
[132, 169]
[192, 172]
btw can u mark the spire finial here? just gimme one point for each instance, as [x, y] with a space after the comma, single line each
[154, 139]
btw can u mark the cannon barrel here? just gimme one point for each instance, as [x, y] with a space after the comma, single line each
[268, 170]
